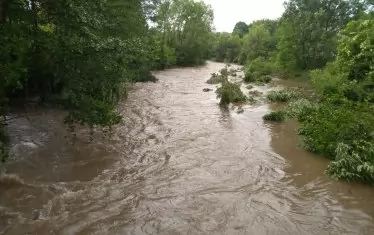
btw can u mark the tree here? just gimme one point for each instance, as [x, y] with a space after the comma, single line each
[256, 43]
[309, 31]
[185, 26]
[356, 59]
[227, 47]
[260, 41]
[240, 29]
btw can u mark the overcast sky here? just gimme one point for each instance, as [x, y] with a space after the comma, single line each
[228, 12]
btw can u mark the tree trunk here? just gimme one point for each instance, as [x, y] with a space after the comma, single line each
[3, 10]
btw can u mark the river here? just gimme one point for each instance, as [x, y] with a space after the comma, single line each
[177, 164]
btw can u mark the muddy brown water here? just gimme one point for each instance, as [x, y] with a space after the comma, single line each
[178, 164]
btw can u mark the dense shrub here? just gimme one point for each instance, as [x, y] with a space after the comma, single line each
[257, 69]
[230, 93]
[216, 78]
[300, 109]
[283, 95]
[221, 76]
[353, 162]
[335, 121]
[227, 47]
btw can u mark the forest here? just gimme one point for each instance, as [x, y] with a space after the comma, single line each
[81, 56]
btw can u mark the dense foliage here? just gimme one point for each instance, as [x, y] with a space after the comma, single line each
[304, 38]
[240, 29]
[227, 47]
[341, 126]
[259, 70]
[184, 28]
[309, 31]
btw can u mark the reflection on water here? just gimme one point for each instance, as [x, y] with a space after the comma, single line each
[177, 164]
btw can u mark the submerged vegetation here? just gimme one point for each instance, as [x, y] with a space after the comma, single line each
[216, 78]
[220, 77]
[275, 116]
[230, 93]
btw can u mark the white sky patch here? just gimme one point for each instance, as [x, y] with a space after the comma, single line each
[228, 12]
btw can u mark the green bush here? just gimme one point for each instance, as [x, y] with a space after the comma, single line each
[336, 120]
[257, 69]
[285, 95]
[251, 76]
[230, 93]
[340, 126]
[216, 79]
[327, 83]
[300, 109]
[353, 162]
[275, 116]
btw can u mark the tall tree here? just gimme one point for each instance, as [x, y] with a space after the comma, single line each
[256, 43]
[227, 47]
[186, 25]
[309, 30]
[240, 29]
